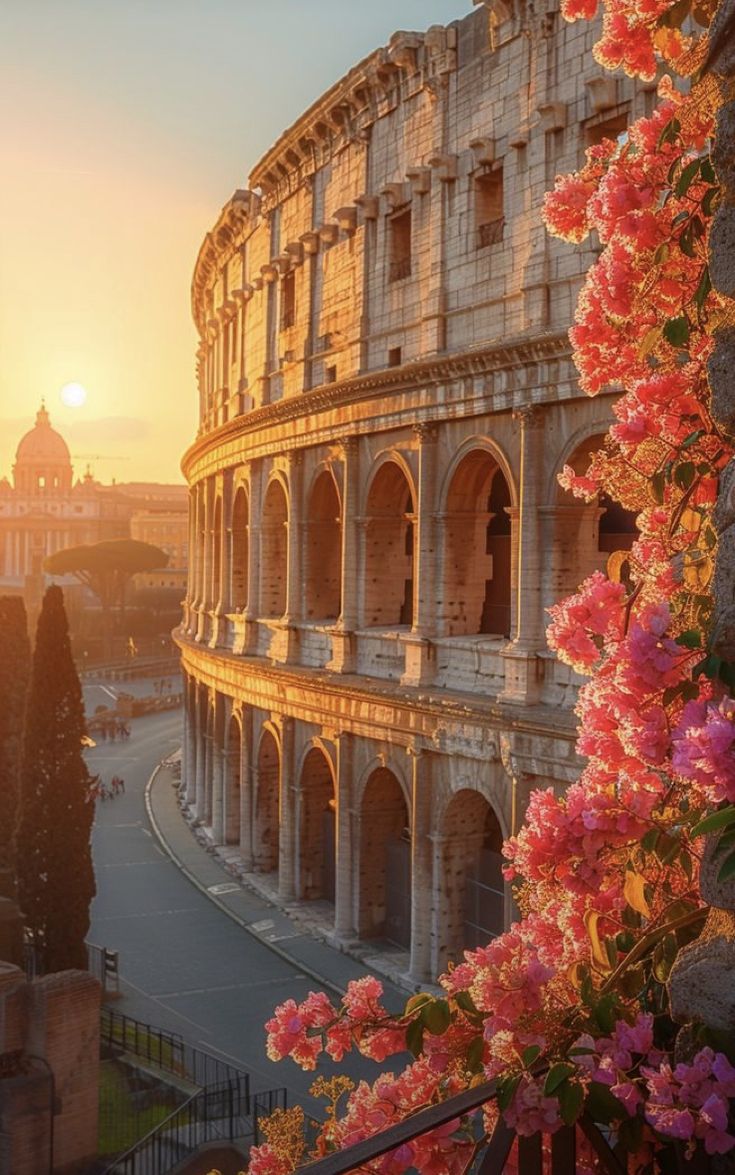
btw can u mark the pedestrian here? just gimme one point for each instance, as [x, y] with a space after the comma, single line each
[103, 732]
[126, 731]
[121, 785]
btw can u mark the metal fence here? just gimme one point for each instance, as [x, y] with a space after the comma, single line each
[166, 1050]
[266, 1103]
[220, 1113]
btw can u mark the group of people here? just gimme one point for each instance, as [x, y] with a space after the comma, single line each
[114, 728]
[163, 686]
[101, 791]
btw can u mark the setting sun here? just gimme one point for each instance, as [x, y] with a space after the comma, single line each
[73, 395]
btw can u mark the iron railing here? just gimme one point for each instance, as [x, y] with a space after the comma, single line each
[220, 1113]
[492, 1153]
[166, 1050]
[265, 1103]
[490, 233]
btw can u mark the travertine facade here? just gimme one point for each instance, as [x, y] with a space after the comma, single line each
[387, 397]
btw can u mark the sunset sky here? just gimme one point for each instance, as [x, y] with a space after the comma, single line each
[126, 125]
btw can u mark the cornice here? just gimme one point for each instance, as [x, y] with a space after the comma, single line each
[231, 227]
[512, 353]
[390, 706]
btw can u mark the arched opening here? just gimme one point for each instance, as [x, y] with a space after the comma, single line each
[587, 533]
[318, 828]
[477, 563]
[385, 861]
[233, 782]
[472, 902]
[274, 552]
[323, 578]
[266, 824]
[217, 554]
[389, 549]
[240, 549]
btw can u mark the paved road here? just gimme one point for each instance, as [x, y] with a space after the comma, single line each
[185, 965]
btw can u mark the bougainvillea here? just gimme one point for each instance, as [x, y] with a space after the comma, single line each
[568, 1010]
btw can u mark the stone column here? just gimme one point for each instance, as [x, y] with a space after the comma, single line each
[190, 740]
[201, 754]
[287, 831]
[247, 791]
[343, 634]
[422, 880]
[205, 599]
[344, 914]
[252, 611]
[208, 764]
[294, 585]
[221, 595]
[218, 769]
[521, 677]
[420, 658]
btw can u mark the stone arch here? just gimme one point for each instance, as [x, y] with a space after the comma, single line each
[471, 899]
[323, 554]
[240, 590]
[274, 550]
[384, 891]
[389, 546]
[476, 589]
[267, 815]
[317, 833]
[233, 780]
[589, 532]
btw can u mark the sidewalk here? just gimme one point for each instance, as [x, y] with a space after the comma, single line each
[282, 933]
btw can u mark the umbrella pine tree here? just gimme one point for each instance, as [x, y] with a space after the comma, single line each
[15, 667]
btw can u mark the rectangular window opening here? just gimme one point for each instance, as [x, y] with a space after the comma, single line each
[330, 374]
[489, 219]
[288, 300]
[394, 357]
[399, 243]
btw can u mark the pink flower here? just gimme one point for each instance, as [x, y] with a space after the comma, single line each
[703, 747]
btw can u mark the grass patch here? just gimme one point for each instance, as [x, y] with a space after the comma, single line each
[122, 1122]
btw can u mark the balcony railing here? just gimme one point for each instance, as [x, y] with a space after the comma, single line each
[490, 233]
[493, 1154]
[399, 269]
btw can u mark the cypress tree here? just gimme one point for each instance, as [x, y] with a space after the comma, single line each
[55, 873]
[15, 667]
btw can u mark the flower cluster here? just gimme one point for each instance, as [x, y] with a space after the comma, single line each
[691, 1101]
[704, 747]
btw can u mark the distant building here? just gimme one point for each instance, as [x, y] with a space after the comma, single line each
[44, 509]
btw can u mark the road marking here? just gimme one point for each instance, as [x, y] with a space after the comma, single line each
[266, 924]
[106, 690]
[224, 887]
[281, 937]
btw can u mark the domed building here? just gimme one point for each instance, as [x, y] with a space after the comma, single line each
[387, 397]
[45, 509]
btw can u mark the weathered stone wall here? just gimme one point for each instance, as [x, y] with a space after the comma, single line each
[49, 1072]
[387, 397]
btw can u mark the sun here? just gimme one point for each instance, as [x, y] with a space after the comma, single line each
[73, 395]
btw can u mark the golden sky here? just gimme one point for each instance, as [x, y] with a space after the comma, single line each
[125, 126]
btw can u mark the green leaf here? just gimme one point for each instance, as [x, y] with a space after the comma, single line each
[506, 1089]
[416, 1003]
[723, 818]
[663, 957]
[630, 1134]
[475, 1054]
[684, 475]
[657, 486]
[674, 17]
[436, 1017]
[686, 241]
[531, 1054]
[686, 179]
[727, 868]
[661, 254]
[709, 198]
[692, 438]
[691, 639]
[571, 1100]
[606, 1012]
[557, 1074]
[670, 132]
[708, 172]
[676, 331]
[603, 1106]
[632, 982]
[415, 1038]
[704, 287]
[464, 1000]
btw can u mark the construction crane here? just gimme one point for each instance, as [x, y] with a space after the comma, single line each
[96, 457]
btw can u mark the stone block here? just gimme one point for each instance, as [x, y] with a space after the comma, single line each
[723, 151]
[722, 250]
[720, 367]
[715, 893]
[700, 984]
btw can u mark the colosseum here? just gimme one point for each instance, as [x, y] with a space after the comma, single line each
[386, 399]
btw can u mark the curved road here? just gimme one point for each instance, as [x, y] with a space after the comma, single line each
[185, 966]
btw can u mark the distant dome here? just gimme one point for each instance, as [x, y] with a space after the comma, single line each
[43, 445]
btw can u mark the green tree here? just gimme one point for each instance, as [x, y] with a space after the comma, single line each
[15, 668]
[55, 873]
[106, 568]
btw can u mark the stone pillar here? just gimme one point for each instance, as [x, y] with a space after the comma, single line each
[247, 791]
[250, 636]
[344, 914]
[200, 711]
[287, 831]
[422, 880]
[205, 600]
[294, 584]
[521, 675]
[218, 769]
[190, 739]
[343, 634]
[420, 654]
[221, 593]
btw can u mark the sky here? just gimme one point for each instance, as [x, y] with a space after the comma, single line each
[125, 126]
